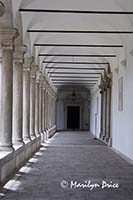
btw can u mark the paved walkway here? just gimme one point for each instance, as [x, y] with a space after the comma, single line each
[65, 165]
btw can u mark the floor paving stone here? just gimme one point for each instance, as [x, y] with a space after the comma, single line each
[66, 158]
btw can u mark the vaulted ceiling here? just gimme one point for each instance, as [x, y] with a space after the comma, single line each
[75, 41]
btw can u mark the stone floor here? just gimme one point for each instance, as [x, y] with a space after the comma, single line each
[67, 161]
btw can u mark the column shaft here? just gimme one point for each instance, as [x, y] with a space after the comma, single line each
[6, 100]
[32, 107]
[43, 109]
[37, 108]
[102, 103]
[46, 108]
[108, 113]
[17, 102]
[104, 115]
[40, 107]
[26, 104]
[48, 111]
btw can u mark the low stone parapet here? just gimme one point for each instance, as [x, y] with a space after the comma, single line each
[10, 162]
[51, 132]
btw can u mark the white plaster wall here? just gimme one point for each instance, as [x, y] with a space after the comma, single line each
[122, 121]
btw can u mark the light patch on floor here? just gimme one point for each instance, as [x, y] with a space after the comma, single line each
[13, 184]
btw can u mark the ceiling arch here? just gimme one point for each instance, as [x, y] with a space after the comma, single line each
[59, 30]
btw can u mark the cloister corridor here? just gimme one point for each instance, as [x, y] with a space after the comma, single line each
[66, 99]
[71, 156]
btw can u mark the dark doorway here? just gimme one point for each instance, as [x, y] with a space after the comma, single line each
[73, 117]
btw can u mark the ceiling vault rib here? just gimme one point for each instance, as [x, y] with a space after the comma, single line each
[99, 12]
[78, 55]
[77, 83]
[77, 63]
[75, 77]
[76, 80]
[75, 68]
[75, 73]
[79, 31]
[79, 45]
[74, 84]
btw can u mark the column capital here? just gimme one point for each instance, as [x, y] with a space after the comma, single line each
[34, 68]
[32, 77]
[42, 79]
[109, 75]
[18, 56]
[103, 86]
[44, 84]
[38, 74]
[27, 63]
[47, 86]
[7, 37]
[108, 80]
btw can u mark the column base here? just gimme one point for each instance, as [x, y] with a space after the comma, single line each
[107, 139]
[33, 137]
[7, 148]
[27, 139]
[45, 136]
[37, 134]
[103, 137]
[110, 142]
[18, 142]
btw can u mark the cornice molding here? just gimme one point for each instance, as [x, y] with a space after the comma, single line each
[7, 37]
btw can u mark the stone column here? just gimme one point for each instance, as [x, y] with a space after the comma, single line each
[101, 120]
[55, 111]
[44, 108]
[43, 112]
[26, 100]
[103, 92]
[55, 116]
[48, 111]
[32, 107]
[51, 111]
[40, 105]
[37, 107]
[108, 112]
[53, 121]
[6, 42]
[102, 108]
[104, 113]
[32, 101]
[18, 95]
